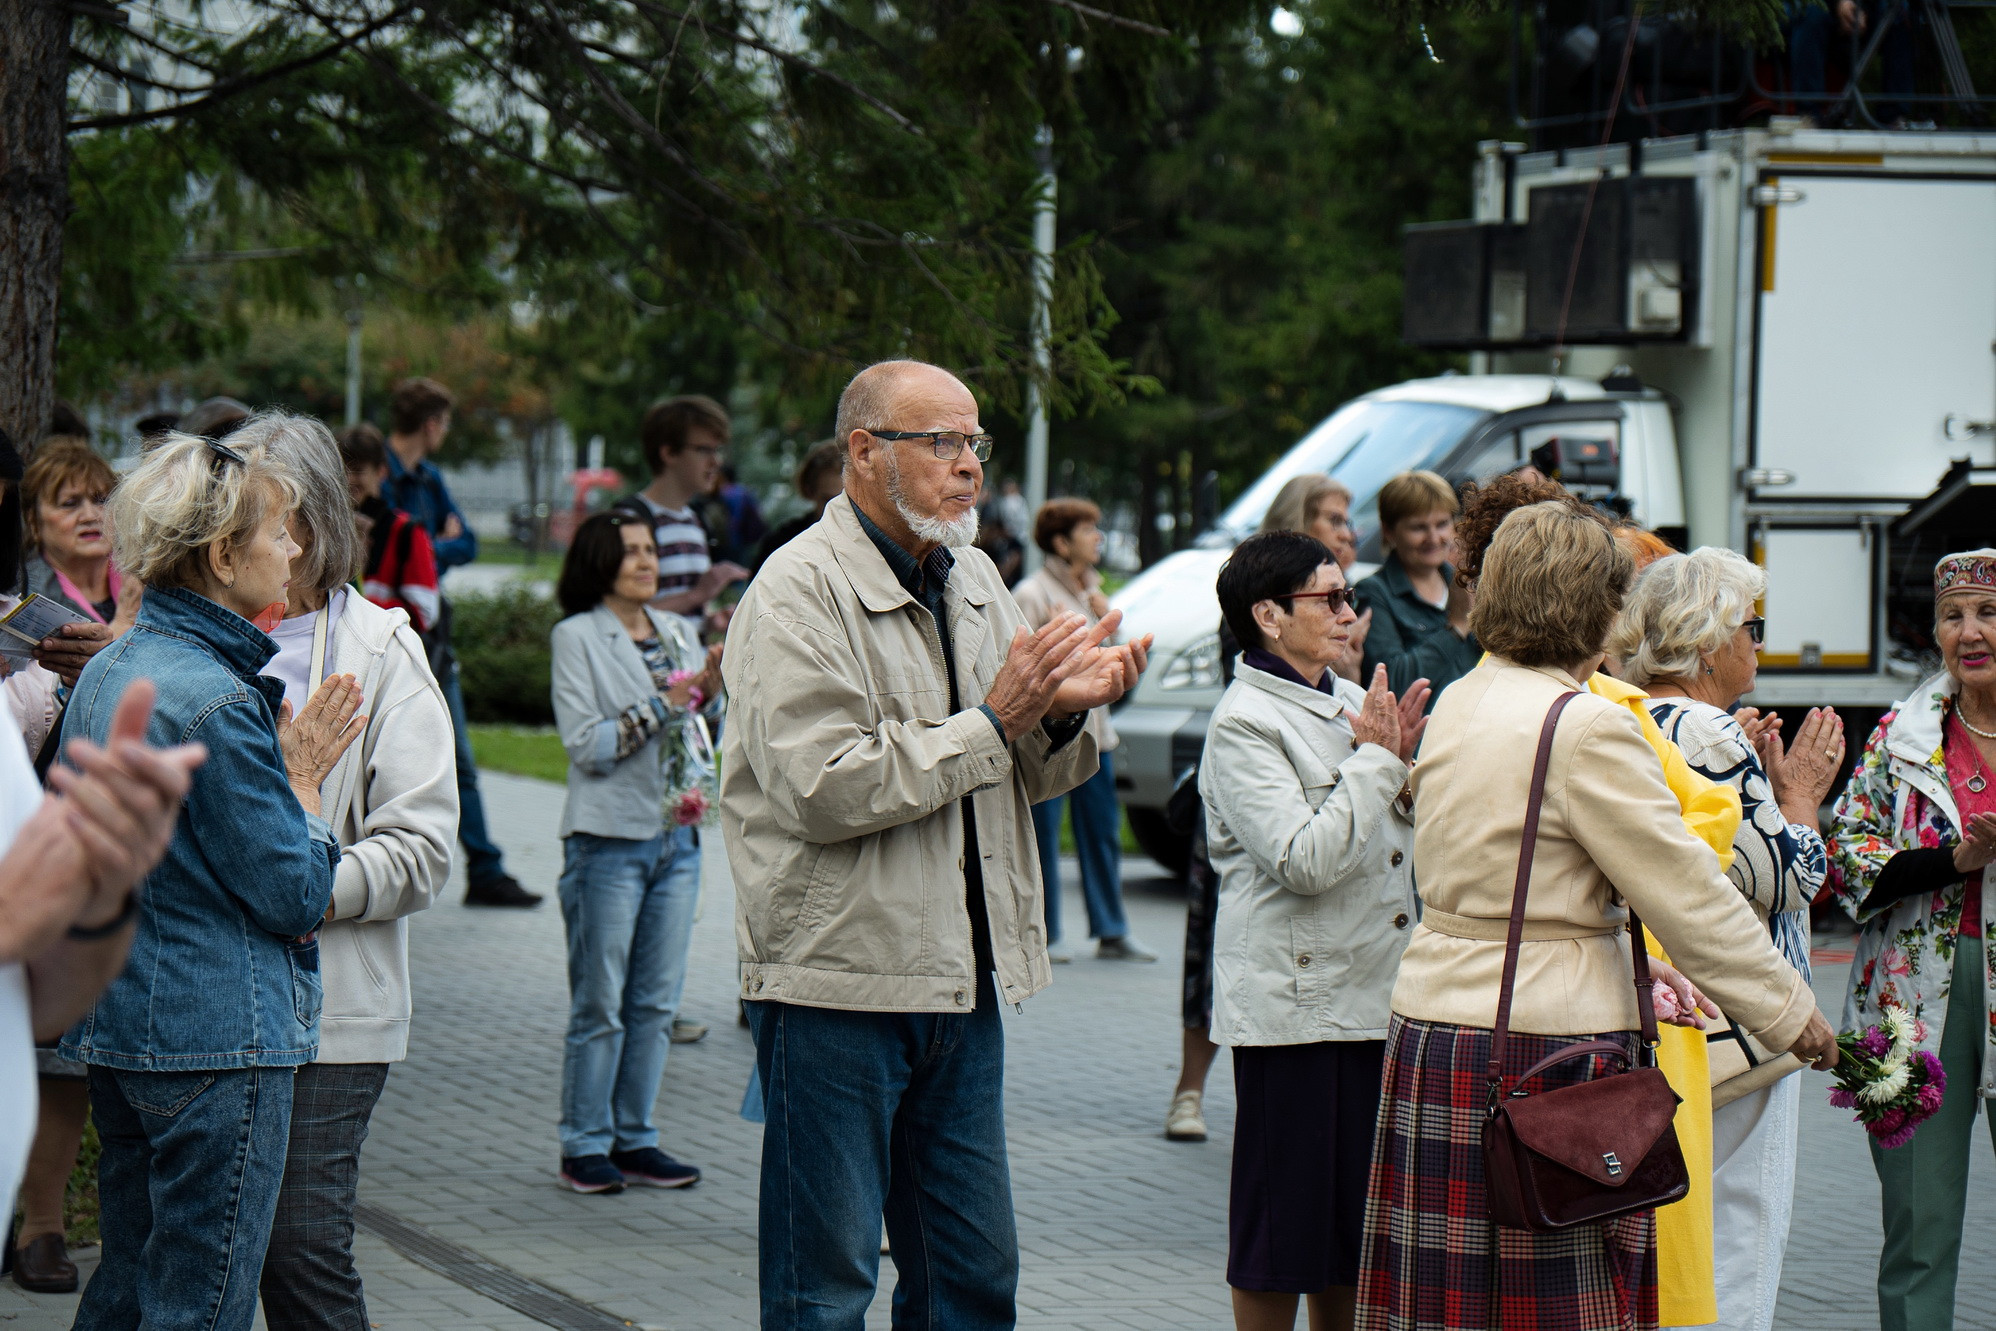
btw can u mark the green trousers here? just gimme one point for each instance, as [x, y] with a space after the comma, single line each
[1924, 1184]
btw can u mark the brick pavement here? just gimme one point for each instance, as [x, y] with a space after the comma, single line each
[1118, 1228]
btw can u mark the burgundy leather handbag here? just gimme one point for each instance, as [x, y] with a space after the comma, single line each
[1590, 1151]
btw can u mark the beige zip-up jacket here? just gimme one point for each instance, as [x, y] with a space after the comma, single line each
[1610, 833]
[1314, 849]
[841, 770]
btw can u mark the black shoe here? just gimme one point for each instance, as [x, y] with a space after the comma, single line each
[650, 1167]
[505, 890]
[42, 1266]
[590, 1173]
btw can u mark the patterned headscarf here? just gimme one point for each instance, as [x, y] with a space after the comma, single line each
[1969, 571]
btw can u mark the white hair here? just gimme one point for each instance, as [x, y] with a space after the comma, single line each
[184, 496]
[955, 533]
[1682, 608]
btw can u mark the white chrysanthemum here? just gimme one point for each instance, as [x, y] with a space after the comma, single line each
[1887, 1088]
[1898, 1024]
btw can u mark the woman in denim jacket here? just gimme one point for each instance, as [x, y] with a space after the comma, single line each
[628, 685]
[193, 1048]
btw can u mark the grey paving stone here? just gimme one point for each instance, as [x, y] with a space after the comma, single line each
[1117, 1227]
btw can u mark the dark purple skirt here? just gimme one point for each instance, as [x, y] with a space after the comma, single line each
[1302, 1149]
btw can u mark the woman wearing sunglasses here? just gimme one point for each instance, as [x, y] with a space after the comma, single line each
[630, 685]
[1689, 636]
[1308, 825]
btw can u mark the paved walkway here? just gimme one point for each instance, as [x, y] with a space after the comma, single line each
[1119, 1228]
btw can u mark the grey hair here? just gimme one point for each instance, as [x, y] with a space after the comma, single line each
[867, 400]
[1682, 608]
[303, 446]
[1296, 502]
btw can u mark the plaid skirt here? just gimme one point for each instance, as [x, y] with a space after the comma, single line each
[1432, 1259]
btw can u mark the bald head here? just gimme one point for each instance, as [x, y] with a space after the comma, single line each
[920, 500]
[882, 393]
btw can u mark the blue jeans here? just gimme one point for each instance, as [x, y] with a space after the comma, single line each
[1098, 842]
[628, 906]
[188, 1185]
[482, 860]
[309, 1281]
[899, 1114]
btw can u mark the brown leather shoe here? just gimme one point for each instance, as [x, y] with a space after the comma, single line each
[42, 1266]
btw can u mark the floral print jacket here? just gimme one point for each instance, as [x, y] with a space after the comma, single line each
[1899, 799]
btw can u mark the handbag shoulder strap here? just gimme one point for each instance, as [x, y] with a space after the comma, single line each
[1639, 951]
[1527, 845]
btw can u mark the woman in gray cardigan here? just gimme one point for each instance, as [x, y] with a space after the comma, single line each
[629, 685]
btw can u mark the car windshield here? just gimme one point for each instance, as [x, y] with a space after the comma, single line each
[1363, 443]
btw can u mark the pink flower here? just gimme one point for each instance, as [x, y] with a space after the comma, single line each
[1896, 962]
[1889, 1140]
[1930, 1064]
[1664, 999]
[1888, 1122]
[692, 807]
[1929, 1100]
[1842, 1098]
[1920, 1031]
[1873, 1043]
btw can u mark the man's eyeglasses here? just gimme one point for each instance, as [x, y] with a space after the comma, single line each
[1756, 629]
[947, 443]
[1334, 600]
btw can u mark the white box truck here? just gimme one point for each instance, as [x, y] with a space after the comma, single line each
[1787, 338]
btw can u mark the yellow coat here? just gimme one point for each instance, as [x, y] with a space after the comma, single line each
[1684, 1229]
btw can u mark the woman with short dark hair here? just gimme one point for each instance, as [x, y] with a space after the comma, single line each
[1611, 839]
[630, 684]
[1068, 582]
[1308, 825]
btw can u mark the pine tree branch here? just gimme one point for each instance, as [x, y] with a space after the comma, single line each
[1114, 20]
[221, 92]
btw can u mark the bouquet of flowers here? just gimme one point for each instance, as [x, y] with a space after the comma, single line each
[690, 784]
[1893, 1088]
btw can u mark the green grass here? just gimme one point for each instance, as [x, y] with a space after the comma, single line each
[521, 751]
[513, 554]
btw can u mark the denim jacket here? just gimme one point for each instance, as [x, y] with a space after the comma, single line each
[224, 968]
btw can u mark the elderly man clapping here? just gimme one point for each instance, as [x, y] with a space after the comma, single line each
[890, 724]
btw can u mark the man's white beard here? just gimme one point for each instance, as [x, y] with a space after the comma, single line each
[956, 533]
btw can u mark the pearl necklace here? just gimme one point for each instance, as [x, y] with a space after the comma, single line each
[1961, 714]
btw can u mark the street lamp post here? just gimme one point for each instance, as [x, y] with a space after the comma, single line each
[1042, 335]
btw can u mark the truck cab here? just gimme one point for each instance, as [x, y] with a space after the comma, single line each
[1466, 427]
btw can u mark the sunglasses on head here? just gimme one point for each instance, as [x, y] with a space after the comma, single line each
[221, 452]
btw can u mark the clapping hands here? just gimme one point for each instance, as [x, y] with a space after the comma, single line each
[1394, 724]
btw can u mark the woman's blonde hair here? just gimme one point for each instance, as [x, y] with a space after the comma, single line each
[1415, 494]
[1684, 607]
[184, 496]
[1295, 504]
[1553, 581]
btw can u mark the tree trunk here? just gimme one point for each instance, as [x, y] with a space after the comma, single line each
[34, 204]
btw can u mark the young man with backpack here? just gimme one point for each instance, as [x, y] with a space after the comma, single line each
[419, 418]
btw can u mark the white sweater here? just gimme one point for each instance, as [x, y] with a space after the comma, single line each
[392, 801]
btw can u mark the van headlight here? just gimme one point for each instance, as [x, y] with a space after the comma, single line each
[1196, 667]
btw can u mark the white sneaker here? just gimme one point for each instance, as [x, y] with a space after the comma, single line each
[1060, 954]
[1187, 1120]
